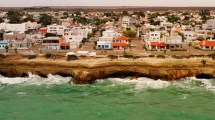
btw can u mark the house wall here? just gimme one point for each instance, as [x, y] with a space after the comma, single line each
[154, 36]
[103, 45]
[2, 45]
[56, 29]
[13, 27]
[189, 35]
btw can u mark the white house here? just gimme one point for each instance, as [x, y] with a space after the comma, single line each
[210, 24]
[3, 44]
[189, 35]
[56, 29]
[127, 21]
[105, 41]
[52, 43]
[166, 25]
[212, 13]
[13, 27]
[75, 37]
[32, 25]
[154, 36]
[173, 42]
[162, 18]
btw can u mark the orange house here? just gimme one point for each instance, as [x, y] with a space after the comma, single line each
[120, 43]
[207, 44]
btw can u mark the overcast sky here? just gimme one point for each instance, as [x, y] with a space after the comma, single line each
[28, 3]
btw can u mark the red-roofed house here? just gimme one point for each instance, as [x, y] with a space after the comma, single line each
[52, 43]
[156, 45]
[120, 43]
[207, 44]
[43, 30]
[65, 46]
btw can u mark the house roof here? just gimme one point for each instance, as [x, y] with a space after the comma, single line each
[160, 44]
[206, 43]
[119, 44]
[65, 44]
[122, 38]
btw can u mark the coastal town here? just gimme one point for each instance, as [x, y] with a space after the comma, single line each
[107, 60]
[91, 34]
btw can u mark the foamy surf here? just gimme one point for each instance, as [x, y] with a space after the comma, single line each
[143, 83]
[34, 79]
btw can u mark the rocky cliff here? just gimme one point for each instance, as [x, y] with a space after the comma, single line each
[87, 71]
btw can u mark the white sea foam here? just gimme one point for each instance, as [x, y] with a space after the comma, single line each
[142, 83]
[207, 83]
[35, 79]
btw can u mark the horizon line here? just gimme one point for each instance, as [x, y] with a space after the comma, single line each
[96, 6]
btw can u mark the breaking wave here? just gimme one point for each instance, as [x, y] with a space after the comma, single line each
[34, 79]
[139, 84]
[143, 83]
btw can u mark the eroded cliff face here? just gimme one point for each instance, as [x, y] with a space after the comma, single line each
[85, 74]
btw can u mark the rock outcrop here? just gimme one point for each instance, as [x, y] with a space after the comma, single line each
[85, 73]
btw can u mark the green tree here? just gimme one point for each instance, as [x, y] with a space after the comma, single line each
[130, 33]
[14, 16]
[6, 48]
[1, 20]
[154, 15]
[1, 35]
[125, 13]
[186, 18]
[28, 18]
[140, 13]
[101, 31]
[45, 20]
[173, 18]
[84, 40]
[15, 50]
[89, 35]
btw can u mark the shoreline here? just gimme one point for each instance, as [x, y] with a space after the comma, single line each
[86, 71]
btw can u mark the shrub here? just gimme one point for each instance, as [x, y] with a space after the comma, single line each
[83, 56]
[48, 55]
[151, 55]
[178, 50]
[2, 56]
[212, 56]
[203, 62]
[32, 56]
[161, 56]
[72, 57]
[112, 57]
[128, 56]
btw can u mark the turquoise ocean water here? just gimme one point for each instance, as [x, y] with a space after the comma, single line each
[36, 98]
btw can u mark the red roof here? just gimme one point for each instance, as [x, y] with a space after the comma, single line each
[65, 44]
[160, 44]
[119, 44]
[43, 30]
[122, 38]
[206, 43]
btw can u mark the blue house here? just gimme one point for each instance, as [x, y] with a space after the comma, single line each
[3, 44]
[103, 45]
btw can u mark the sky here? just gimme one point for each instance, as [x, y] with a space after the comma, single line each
[181, 3]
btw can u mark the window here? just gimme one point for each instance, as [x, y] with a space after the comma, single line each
[106, 46]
